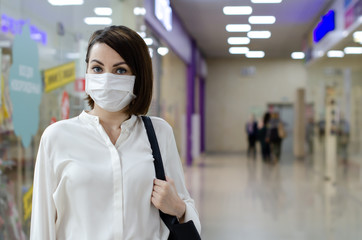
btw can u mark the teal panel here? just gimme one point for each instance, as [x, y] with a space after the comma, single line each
[25, 86]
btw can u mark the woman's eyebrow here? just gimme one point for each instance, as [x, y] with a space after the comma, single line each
[120, 63]
[99, 62]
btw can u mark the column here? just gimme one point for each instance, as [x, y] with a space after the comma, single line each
[299, 124]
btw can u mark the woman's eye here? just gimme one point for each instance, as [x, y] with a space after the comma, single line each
[97, 69]
[121, 71]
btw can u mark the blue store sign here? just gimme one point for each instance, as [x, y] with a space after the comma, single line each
[25, 86]
[326, 25]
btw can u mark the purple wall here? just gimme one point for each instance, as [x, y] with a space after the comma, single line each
[183, 45]
[202, 113]
[177, 39]
[190, 102]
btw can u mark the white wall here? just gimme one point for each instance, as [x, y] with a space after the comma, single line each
[231, 97]
[173, 96]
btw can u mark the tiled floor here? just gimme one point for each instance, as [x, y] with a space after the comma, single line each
[240, 198]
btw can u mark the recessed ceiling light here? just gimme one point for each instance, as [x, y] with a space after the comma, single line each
[238, 50]
[162, 51]
[261, 19]
[238, 27]
[238, 40]
[353, 50]
[237, 10]
[255, 54]
[259, 34]
[65, 2]
[103, 11]
[98, 20]
[335, 54]
[266, 1]
[298, 55]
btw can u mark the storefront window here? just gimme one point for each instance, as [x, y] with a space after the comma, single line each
[60, 46]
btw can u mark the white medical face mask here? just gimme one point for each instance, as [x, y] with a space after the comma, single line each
[110, 91]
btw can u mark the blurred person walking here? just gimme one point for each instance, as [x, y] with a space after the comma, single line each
[263, 137]
[94, 174]
[251, 129]
[276, 135]
[321, 129]
[343, 132]
[310, 135]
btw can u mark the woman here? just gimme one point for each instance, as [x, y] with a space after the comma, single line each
[94, 175]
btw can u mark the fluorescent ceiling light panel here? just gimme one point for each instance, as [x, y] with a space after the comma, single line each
[335, 54]
[238, 27]
[148, 41]
[357, 36]
[238, 40]
[259, 34]
[139, 11]
[237, 10]
[266, 1]
[65, 2]
[255, 54]
[103, 11]
[98, 20]
[162, 51]
[261, 19]
[298, 55]
[238, 50]
[142, 34]
[353, 50]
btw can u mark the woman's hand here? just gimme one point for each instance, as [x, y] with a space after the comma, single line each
[166, 199]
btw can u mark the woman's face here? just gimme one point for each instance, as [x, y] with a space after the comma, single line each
[103, 59]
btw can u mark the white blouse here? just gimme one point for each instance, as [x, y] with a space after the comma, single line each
[87, 188]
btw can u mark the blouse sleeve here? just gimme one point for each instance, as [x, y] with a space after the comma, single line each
[43, 208]
[173, 169]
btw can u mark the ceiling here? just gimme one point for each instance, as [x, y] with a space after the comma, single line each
[47, 16]
[205, 21]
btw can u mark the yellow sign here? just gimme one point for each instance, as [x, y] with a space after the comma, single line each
[59, 76]
[27, 201]
[4, 113]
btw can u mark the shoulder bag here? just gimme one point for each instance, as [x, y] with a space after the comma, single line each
[178, 231]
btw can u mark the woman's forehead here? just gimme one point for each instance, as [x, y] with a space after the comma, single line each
[103, 51]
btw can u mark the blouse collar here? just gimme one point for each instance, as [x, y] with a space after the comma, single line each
[94, 120]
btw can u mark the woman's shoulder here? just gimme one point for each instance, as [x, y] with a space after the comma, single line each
[160, 125]
[60, 127]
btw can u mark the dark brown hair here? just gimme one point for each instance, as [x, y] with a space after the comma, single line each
[132, 48]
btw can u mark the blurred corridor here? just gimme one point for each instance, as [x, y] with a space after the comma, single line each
[240, 198]
[230, 84]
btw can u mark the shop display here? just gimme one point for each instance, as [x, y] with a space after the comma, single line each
[10, 224]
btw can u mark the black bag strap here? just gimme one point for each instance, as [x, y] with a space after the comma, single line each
[160, 172]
